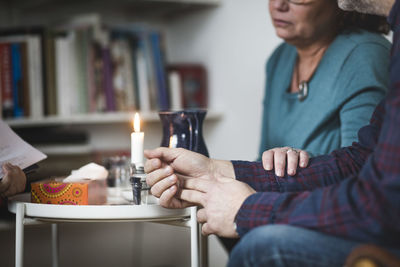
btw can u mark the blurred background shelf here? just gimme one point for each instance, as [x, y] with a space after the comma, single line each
[96, 118]
[46, 11]
[55, 150]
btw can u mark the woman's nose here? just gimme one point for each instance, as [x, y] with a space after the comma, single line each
[281, 5]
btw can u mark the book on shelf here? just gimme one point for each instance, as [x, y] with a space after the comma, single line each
[5, 80]
[191, 81]
[159, 66]
[20, 62]
[123, 82]
[41, 51]
[16, 79]
[175, 85]
[82, 66]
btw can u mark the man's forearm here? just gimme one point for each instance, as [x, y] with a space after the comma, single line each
[322, 171]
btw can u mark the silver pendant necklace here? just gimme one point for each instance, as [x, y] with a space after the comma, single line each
[303, 85]
[303, 91]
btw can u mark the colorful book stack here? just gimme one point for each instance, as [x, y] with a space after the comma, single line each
[81, 67]
[21, 73]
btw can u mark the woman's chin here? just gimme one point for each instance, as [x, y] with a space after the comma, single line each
[285, 35]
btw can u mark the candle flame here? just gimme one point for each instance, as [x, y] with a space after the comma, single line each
[136, 123]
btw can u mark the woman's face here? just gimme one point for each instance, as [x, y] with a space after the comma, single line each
[302, 24]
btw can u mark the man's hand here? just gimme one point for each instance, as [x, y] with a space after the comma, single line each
[221, 198]
[277, 157]
[167, 167]
[13, 182]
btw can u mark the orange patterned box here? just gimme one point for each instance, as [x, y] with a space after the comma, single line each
[86, 192]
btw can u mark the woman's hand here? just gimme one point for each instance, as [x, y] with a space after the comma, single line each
[276, 158]
[13, 182]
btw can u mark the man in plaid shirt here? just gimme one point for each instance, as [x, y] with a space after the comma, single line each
[314, 218]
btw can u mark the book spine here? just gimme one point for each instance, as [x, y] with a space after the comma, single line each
[175, 90]
[150, 71]
[16, 79]
[50, 75]
[35, 77]
[62, 76]
[135, 79]
[143, 85]
[118, 77]
[84, 94]
[6, 81]
[162, 90]
[81, 50]
[73, 69]
[25, 94]
[91, 85]
[128, 73]
[98, 78]
[107, 80]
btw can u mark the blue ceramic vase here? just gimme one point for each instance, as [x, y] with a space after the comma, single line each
[184, 129]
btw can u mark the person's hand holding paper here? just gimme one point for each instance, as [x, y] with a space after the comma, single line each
[13, 182]
[16, 151]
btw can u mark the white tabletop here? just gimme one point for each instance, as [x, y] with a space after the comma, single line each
[55, 212]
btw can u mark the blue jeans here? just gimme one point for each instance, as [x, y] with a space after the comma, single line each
[283, 245]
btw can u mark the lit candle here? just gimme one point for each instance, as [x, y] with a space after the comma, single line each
[137, 138]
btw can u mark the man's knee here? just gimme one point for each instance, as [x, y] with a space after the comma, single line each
[284, 245]
[271, 236]
[264, 241]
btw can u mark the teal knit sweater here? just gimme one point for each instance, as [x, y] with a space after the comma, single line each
[350, 80]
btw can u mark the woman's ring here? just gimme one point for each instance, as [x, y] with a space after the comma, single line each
[291, 149]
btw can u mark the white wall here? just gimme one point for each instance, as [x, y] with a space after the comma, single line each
[233, 42]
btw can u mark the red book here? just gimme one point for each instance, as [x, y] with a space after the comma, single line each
[26, 105]
[6, 80]
[194, 84]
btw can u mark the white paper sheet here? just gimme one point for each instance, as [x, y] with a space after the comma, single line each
[15, 150]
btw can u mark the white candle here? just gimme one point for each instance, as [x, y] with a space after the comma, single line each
[137, 138]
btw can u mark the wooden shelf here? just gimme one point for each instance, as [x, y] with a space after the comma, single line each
[94, 118]
[54, 10]
[65, 149]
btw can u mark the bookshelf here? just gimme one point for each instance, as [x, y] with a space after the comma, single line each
[24, 13]
[96, 118]
[52, 10]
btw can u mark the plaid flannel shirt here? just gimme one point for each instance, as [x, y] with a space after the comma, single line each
[353, 193]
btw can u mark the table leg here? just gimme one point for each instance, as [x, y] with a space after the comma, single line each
[19, 235]
[194, 237]
[203, 249]
[54, 244]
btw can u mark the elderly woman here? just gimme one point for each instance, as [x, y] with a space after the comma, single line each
[323, 82]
